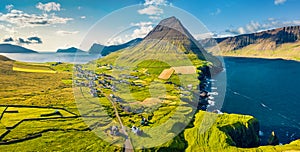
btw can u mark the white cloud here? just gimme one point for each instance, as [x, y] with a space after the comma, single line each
[143, 28]
[238, 31]
[50, 6]
[22, 19]
[79, 7]
[270, 23]
[277, 2]
[155, 2]
[151, 10]
[204, 35]
[241, 30]
[141, 24]
[115, 41]
[9, 7]
[83, 17]
[141, 32]
[63, 33]
[217, 12]
[253, 26]
[7, 28]
[155, 17]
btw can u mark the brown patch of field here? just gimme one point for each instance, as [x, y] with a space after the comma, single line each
[166, 74]
[184, 70]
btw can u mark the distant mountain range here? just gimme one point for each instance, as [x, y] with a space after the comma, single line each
[105, 50]
[9, 48]
[70, 50]
[101, 49]
[280, 42]
[95, 48]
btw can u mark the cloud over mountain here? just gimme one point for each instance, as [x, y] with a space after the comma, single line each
[255, 26]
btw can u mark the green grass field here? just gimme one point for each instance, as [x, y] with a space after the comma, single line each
[34, 68]
[53, 91]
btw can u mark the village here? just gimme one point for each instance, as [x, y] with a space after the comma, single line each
[104, 84]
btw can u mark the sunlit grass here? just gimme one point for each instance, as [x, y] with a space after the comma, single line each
[33, 70]
[10, 119]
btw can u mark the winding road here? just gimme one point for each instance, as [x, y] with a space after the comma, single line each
[127, 144]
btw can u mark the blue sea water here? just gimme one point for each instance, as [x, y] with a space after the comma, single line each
[268, 89]
[52, 57]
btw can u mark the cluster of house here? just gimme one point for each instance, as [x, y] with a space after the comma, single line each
[126, 76]
[88, 78]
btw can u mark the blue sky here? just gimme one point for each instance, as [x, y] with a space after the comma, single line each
[52, 24]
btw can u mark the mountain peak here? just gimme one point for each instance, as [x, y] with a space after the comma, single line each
[169, 29]
[169, 21]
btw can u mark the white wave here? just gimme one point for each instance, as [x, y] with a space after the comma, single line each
[214, 88]
[265, 106]
[219, 112]
[212, 80]
[283, 116]
[235, 93]
[211, 97]
[211, 102]
[292, 135]
[213, 93]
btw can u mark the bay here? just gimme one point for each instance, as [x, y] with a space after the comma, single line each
[268, 89]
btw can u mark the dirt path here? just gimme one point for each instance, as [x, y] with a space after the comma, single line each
[127, 144]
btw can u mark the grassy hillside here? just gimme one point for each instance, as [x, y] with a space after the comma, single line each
[288, 51]
[29, 101]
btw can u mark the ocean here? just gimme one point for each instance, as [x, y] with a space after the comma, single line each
[268, 89]
[52, 57]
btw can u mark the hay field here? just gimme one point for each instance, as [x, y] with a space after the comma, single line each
[185, 69]
[166, 74]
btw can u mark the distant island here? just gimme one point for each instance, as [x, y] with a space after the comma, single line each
[101, 49]
[9, 48]
[70, 50]
[105, 50]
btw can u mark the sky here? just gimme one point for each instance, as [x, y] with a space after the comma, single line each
[46, 26]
